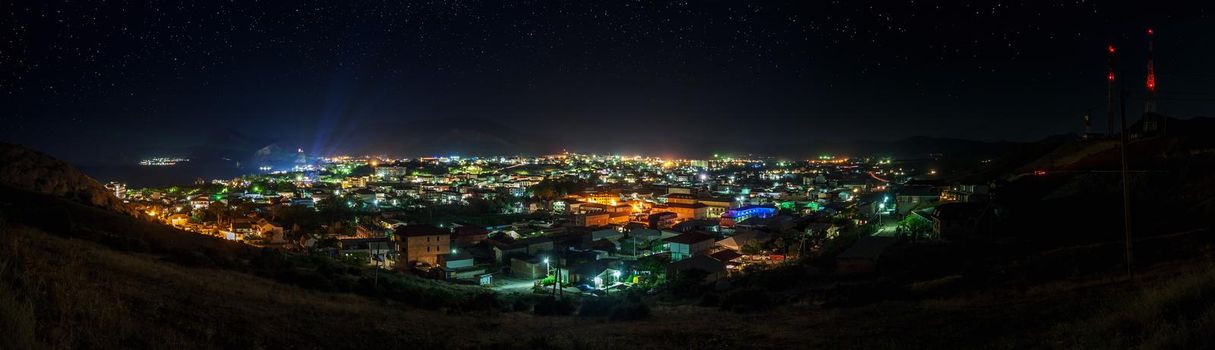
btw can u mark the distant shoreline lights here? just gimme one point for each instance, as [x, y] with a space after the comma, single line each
[162, 161]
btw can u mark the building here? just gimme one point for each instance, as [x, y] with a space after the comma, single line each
[268, 229]
[965, 193]
[955, 221]
[612, 234]
[592, 219]
[744, 238]
[686, 245]
[460, 266]
[178, 220]
[422, 244]
[662, 220]
[915, 197]
[469, 235]
[715, 269]
[370, 251]
[118, 189]
[505, 248]
[684, 211]
[529, 268]
[200, 202]
[734, 216]
[391, 172]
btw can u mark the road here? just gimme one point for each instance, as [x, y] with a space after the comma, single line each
[888, 227]
[508, 285]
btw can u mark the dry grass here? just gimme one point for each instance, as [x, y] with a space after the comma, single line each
[1172, 313]
[79, 288]
[65, 293]
[58, 292]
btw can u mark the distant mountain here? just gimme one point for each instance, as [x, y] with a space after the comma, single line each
[29, 170]
[466, 136]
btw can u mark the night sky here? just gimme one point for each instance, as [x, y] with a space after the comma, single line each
[101, 81]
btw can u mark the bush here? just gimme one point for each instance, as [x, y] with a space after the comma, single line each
[709, 300]
[630, 311]
[593, 307]
[550, 306]
[485, 301]
[689, 283]
[520, 306]
[746, 300]
[1178, 314]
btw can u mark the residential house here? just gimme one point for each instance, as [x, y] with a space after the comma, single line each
[743, 238]
[469, 235]
[607, 233]
[662, 220]
[592, 219]
[915, 197]
[956, 221]
[714, 268]
[505, 247]
[461, 266]
[178, 220]
[597, 273]
[372, 251]
[689, 244]
[529, 267]
[422, 244]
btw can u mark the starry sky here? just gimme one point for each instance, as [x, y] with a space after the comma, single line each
[103, 80]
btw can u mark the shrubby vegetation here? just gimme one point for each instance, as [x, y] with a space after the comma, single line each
[1178, 314]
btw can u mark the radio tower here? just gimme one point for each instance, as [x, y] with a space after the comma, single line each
[1149, 102]
[1113, 90]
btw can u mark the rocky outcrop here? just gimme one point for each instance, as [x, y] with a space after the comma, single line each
[30, 170]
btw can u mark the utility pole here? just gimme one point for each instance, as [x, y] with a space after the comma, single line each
[1126, 191]
[1111, 79]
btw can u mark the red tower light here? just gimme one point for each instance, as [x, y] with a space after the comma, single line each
[1111, 48]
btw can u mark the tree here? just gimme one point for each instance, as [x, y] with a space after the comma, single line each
[688, 283]
[779, 244]
[751, 247]
[916, 226]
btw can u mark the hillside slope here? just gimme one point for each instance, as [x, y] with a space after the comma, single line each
[33, 171]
